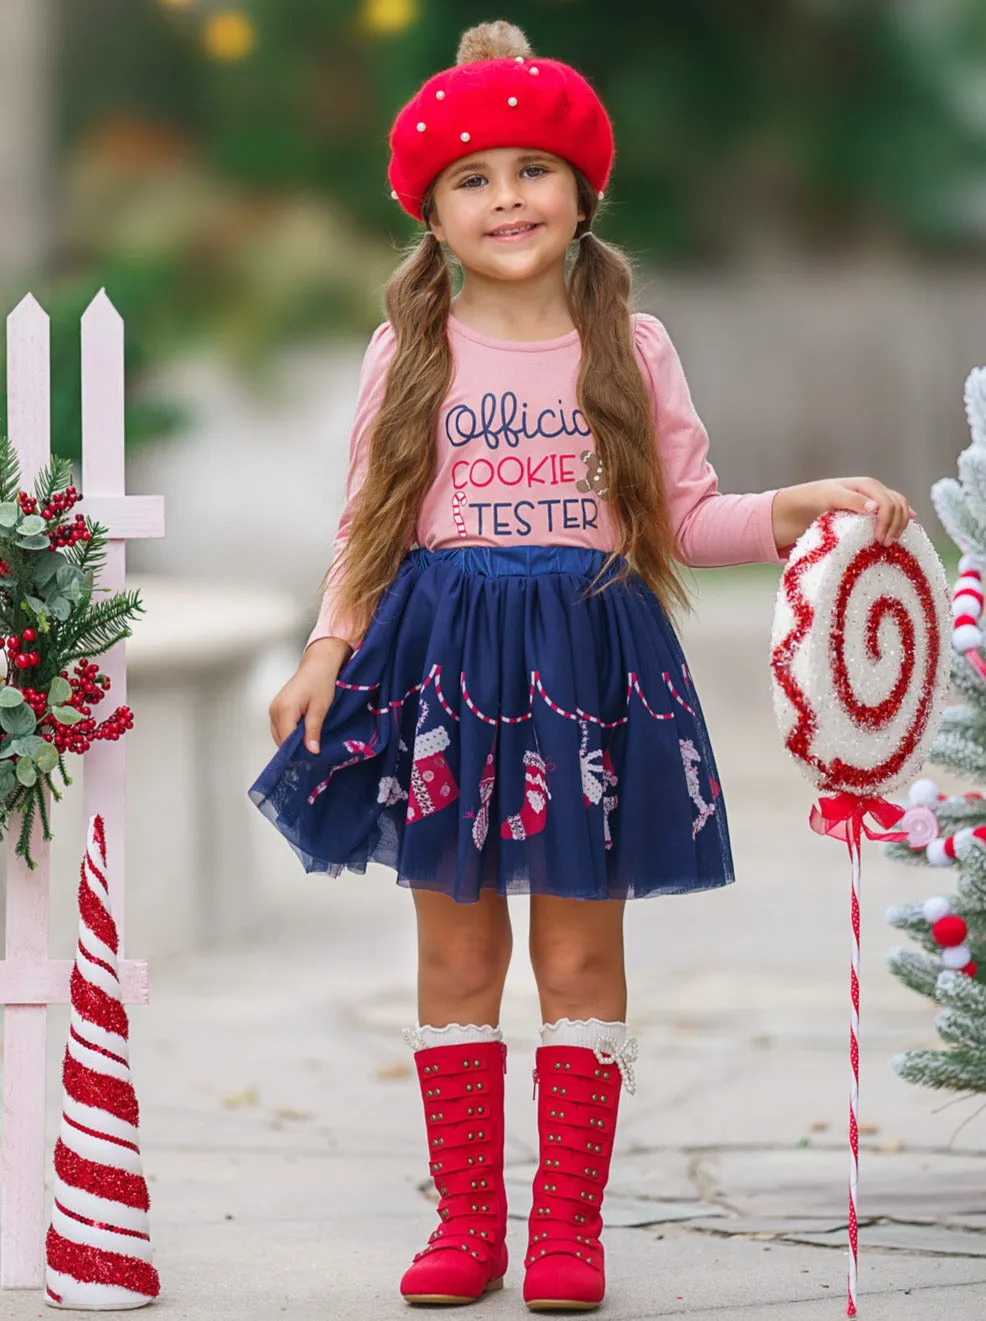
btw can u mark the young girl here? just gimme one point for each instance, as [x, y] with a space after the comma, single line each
[493, 700]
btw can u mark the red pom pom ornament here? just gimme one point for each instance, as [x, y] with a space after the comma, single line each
[950, 930]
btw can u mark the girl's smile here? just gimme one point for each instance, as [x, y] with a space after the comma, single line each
[514, 233]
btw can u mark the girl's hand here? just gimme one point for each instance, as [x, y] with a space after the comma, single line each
[309, 692]
[795, 508]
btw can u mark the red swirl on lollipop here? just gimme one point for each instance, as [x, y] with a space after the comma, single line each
[858, 662]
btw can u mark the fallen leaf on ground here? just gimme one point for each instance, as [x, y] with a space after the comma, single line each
[240, 1100]
[396, 1070]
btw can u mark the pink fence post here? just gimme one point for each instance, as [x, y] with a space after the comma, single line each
[29, 980]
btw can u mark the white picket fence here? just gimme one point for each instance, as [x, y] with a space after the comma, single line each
[29, 979]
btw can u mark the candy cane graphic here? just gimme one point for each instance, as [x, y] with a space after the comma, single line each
[458, 500]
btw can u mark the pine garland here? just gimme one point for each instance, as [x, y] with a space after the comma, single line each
[48, 619]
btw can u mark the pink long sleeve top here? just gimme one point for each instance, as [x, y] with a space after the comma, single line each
[510, 468]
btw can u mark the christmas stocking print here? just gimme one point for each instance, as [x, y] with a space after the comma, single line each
[432, 784]
[531, 817]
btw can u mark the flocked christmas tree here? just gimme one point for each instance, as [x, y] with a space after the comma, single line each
[948, 833]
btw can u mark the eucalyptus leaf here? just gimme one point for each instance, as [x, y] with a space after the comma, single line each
[27, 744]
[32, 543]
[46, 568]
[27, 772]
[32, 525]
[60, 607]
[59, 691]
[17, 719]
[65, 715]
[7, 778]
[37, 605]
[65, 573]
[11, 696]
[9, 513]
[46, 757]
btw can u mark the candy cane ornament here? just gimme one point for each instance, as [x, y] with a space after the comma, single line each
[458, 503]
[859, 672]
[967, 613]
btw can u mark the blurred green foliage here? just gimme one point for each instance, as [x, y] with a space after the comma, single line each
[238, 193]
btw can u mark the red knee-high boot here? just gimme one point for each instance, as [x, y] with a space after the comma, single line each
[578, 1101]
[466, 1256]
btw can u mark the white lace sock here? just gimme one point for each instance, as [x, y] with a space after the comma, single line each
[609, 1042]
[582, 1032]
[423, 1037]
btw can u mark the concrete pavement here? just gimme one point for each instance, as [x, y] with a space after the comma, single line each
[281, 1127]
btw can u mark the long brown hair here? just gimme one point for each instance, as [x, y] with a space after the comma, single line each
[612, 394]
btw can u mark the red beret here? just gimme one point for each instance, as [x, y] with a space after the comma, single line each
[507, 102]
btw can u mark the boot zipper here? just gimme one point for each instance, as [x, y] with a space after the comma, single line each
[537, 1079]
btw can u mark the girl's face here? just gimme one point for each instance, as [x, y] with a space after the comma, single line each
[530, 194]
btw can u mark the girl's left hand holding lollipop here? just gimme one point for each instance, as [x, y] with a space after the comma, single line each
[795, 508]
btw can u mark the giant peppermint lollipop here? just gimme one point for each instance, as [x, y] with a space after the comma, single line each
[859, 669]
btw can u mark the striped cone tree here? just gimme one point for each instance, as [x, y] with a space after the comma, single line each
[98, 1248]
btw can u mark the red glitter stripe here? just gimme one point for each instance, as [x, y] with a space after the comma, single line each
[100, 1180]
[97, 1133]
[91, 1265]
[51, 1294]
[101, 1224]
[95, 916]
[855, 776]
[800, 737]
[98, 1006]
[100, 1050]
[100, 1091]
[89, 865]
[99, 830]
[100, 963]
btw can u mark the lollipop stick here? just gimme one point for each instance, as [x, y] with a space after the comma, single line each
[854, 1076]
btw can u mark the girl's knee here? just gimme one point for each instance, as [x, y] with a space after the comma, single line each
[474, 963]
[567, 969]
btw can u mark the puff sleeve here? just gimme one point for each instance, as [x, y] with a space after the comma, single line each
[372, 383]
[711, 529]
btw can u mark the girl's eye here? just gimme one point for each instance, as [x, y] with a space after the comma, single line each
[471, 177]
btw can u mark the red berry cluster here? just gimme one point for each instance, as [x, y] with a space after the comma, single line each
[60, 503]
[67, 534]
[88, 688]
[5, 570]
[36, 701]
[16, 656]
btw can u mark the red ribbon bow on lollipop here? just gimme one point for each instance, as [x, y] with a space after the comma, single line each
[844, 817]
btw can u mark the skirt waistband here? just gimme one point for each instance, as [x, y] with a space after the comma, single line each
[514, 561]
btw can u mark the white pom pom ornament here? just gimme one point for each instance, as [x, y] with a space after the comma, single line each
[966, 636]
[923, 793]
[937, 855]
[956, 956]
[935, 908]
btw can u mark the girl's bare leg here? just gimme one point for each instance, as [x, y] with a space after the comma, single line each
[577, 957]
[463, 955]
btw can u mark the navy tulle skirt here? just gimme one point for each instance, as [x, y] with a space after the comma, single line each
[500, 729]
